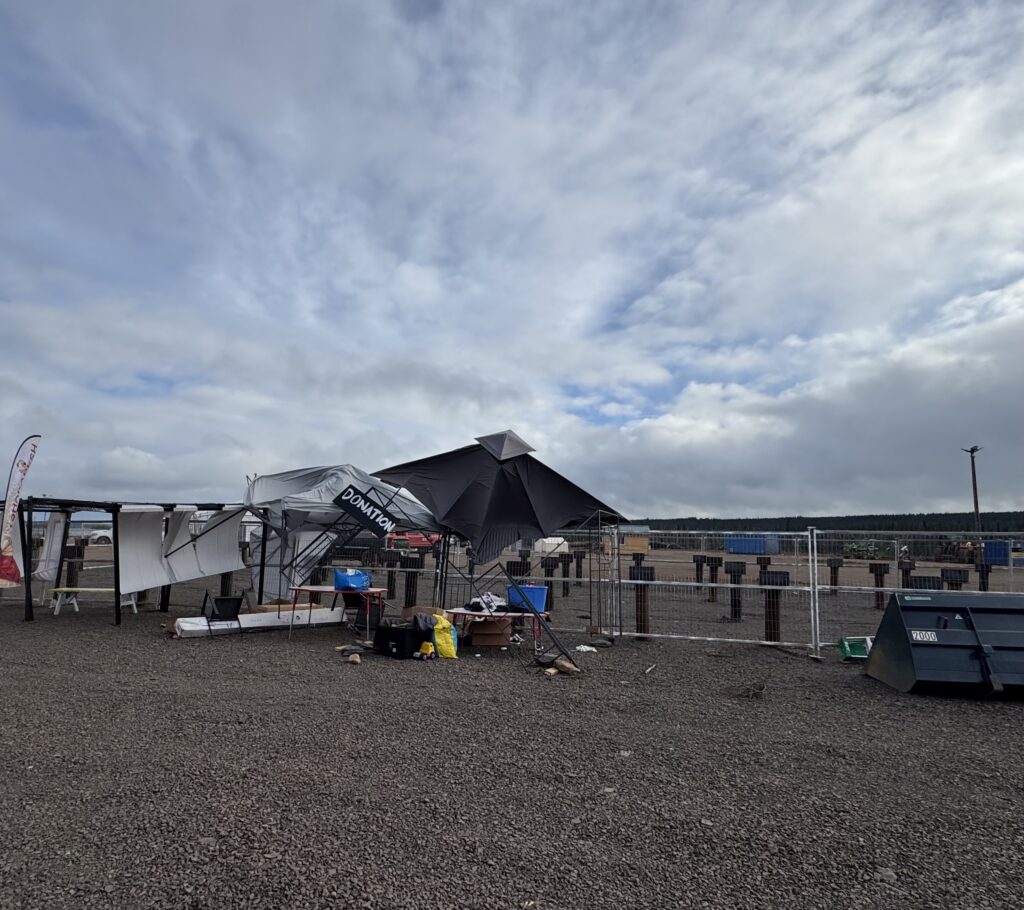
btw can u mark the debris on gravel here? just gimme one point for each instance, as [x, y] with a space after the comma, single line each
[254, 770]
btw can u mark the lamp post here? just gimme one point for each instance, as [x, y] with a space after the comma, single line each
[972, 451]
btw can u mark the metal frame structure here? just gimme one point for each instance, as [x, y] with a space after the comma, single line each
[47, 504]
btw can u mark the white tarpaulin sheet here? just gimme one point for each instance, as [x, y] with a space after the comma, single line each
[140, 545]
[179, 552]
[53, 539]
[217, 549]
[151, 559]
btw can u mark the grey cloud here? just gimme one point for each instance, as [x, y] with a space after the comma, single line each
[774, 254]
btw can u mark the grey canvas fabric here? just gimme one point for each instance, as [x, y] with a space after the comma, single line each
[495, 493]
[307, 496]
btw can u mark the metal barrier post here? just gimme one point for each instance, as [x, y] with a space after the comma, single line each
[566, 560]
[698, 567]
[638, 572]
[834, 563]
[772, 624]
[984, 570]
[736, 571]
[714, 563]
[879, 570]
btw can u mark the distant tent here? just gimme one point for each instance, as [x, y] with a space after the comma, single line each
[495, 493]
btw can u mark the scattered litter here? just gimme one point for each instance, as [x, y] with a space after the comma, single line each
[567, 666]
[625, 753]
[550, 672]
[476, 655]
[856, 647]
[583, 649]
[648, 670]
[603, 643]
[353, 659]
[349, 649]
[608, 790]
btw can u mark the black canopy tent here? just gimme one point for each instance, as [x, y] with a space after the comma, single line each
[495, 493]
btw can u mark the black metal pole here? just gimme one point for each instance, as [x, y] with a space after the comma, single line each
[165, 590]
[26, 556]
[566, 560]
[115, 512]
[972, 451]
[63, 549]
[264, 539]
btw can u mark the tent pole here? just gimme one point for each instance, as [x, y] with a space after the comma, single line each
[264, 540]
[165, 590]
[63, 547]
[24, 515]
[115, 512]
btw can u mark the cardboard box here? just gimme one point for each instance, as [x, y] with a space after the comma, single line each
[490, 633]
[489, 641]
[410, 612]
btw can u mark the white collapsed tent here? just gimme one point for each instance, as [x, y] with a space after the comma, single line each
[154, 545]
[151, 559]
[310, 511]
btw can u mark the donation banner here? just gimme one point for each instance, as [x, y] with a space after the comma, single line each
[10, 574]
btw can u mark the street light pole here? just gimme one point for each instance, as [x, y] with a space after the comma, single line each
[972, 451]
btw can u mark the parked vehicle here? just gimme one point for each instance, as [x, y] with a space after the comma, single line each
[411, 540]
[98, 536]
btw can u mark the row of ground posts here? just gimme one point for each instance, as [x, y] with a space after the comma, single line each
[950, 579]
[771, 581]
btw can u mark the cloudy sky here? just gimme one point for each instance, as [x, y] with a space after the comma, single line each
[709, 259]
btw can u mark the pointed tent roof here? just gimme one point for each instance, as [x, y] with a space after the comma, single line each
[504, 446]
[495, 493]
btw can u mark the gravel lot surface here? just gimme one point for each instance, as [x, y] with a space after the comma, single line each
[140, 771]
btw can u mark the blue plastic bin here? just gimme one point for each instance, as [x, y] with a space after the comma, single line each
[536, 594]
[997, 552]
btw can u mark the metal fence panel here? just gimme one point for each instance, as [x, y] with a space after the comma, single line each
[859, 570]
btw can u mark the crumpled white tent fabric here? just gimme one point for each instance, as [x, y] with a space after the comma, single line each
[217, 549]
[306, 496]
[178, 552]
[306, 521]
[149, 559]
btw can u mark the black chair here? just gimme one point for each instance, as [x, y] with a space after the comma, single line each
[223, 609]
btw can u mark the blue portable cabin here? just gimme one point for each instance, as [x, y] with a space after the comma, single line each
[752, 544]
[997, 552]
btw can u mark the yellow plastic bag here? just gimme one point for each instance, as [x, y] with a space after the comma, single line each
[445, 641]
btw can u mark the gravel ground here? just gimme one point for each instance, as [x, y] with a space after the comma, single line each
[140, 771]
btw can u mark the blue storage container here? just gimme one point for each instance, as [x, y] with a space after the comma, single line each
[752, 544]
[536, 594]
[997, 552]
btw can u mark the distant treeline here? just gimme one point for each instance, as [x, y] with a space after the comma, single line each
[923, 521]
